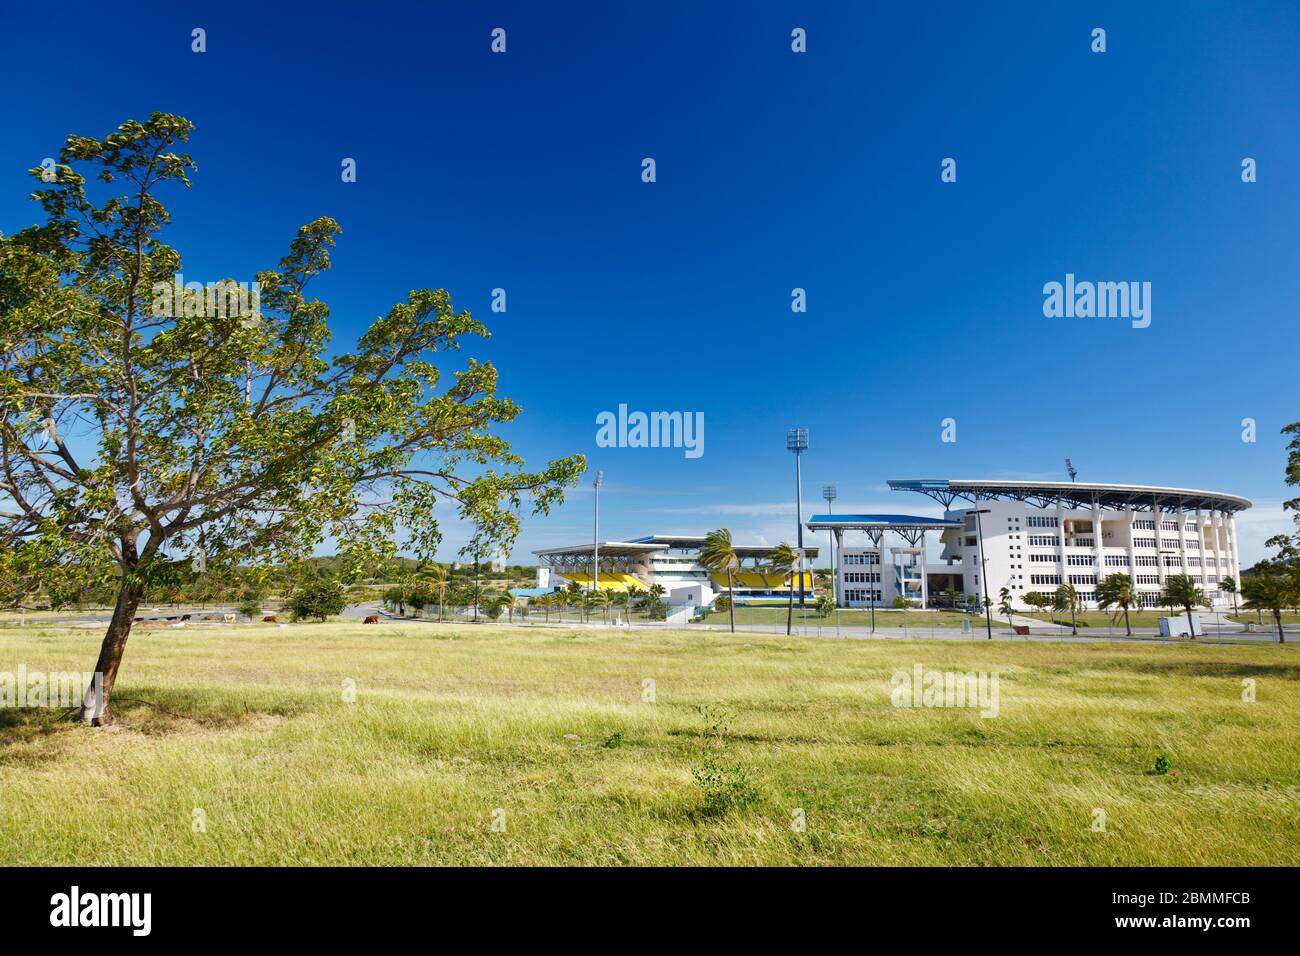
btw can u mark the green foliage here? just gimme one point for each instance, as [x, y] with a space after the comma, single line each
[177, 425]
[725, 785]
[824, 605]
[901, 603]
[1162, 764]
[319, 597]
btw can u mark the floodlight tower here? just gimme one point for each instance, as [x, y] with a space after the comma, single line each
[1069, 467]
[828, 492]
[796, 440]
[595, 536]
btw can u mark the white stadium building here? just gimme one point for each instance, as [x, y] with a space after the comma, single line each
[1037, 535]
[1027, 535]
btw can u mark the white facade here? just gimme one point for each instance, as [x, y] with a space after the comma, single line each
[1028, 548]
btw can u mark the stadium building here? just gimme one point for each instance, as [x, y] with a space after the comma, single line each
[673, 563]
[1035, 536]
[1027, 535]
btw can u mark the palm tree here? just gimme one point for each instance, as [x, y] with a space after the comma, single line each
[1118, 590]
[1229, 586]
[719, 555]
[1271, 586]
[434, 576]
[785, 560]
[600, 597]
[1066, 598]
[1004, 606]
[1181, 591]
[623, 599]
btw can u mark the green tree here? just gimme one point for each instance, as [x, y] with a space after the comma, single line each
[719, 556]
[435, 578]
[139, 424]
[600, 598]
[825, 605]
[1118, 590]
[1229, 586]
[1066, 598]
[1037, 600]
[1272, 586]
[1181, 591]
[319, 596]
[786, 561]
[1004, 605]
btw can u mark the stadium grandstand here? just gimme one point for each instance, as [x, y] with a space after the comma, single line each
[673, 563]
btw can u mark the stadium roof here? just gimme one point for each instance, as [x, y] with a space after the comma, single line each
[873, 522]
[659, 542]
[1072, 494]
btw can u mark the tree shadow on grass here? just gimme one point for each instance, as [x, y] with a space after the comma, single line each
[1224, 669]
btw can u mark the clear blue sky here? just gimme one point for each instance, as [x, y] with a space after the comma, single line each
[775, 170]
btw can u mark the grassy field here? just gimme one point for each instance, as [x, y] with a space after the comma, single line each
[451, 722]
[847, 617]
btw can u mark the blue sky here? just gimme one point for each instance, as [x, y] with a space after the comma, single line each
[775, 170]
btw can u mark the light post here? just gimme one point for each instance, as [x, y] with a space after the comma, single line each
[796, 440]
[595, 535]
[984, 577]
[829, 493]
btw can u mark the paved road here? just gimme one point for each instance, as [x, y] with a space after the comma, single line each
[1041, 631]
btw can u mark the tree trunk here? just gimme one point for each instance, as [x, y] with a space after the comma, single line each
[1191, 627]
[96, 711]
[789, 610]
[1277, 616]
[1128, 628]
[731, 601]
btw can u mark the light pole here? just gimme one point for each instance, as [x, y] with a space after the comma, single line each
[595, 535]
[829, 493]
[796, 440]
[984, 577]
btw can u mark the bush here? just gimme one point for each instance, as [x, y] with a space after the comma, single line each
[250, 606]
[1162, 764]
[725, 787]
[320, 597]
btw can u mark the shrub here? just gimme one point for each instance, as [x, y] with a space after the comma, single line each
[1162, 764]
[725, 786]
[319, 597]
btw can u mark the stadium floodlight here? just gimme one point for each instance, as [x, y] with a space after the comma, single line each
[796, 440]
[595, 534]
[984, 577]
[830, 494]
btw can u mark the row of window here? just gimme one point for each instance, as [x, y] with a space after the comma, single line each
[862, 577]
[860, 594]
[861, 559]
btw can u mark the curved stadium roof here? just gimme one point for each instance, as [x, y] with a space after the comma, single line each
[1073, 494]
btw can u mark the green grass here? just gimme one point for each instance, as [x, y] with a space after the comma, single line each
[847, 617]
[452, 721]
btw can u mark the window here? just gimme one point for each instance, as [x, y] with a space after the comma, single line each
[1045, 540]
[1144, 525]
[1081, 560]
[1146, 560]
[862, 577]
[1084, 579]
[1169, 526]
[1144, 542]
[1044, 579]
[1148, 579]
[1044, 558]
[1117, 560]
[862, 559]
[1041, 521]
[1173, 561]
